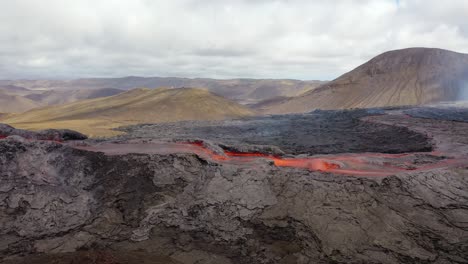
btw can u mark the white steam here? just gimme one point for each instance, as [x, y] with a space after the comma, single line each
[463, 91]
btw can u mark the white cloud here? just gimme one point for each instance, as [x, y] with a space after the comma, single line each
[217, 38]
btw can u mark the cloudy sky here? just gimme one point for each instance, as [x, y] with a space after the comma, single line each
[302, 39]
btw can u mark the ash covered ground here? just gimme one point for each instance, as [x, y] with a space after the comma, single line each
[360, 186]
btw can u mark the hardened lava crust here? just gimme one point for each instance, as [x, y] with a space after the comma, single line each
[190, 193]
[318, 132]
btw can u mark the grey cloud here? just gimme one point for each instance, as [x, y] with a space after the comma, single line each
[216, 38]
[223, 52]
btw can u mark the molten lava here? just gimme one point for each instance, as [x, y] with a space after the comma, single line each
[358, 164]
[315, 164]
[363, 164]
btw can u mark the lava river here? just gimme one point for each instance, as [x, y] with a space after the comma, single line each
[358, 164]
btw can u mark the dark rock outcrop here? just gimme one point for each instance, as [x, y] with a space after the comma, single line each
[56, 199]
[48, 134]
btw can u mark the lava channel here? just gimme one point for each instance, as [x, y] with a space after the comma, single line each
[358, 164]
[362, 164]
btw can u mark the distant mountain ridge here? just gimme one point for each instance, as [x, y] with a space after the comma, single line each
[15, 103]
[16, 99]
[96, 117]
[13, 89]
[240, 90]
[413, 76]
[54, 97]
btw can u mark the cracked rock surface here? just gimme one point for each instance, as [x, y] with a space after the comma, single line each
[318, 132]
[59, 204]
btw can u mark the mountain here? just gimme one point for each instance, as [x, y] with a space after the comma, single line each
[96, 117]
[15, 90]
[10, 103]
[16, 99]
[240, 90]
[413, 76]
[54, 97]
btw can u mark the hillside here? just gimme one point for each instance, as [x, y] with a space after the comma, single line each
[54, 97]
[15, 90]
[96, 117]
[240, 90]
[414, 76]
[16, 99]
[10, 103]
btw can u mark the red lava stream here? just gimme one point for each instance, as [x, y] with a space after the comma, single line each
[358, 164]
[362, 164]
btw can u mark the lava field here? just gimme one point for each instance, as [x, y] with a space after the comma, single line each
[360, 186]
[319, 132]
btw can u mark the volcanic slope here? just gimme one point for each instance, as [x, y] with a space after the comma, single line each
[413, 76]
[96, 117]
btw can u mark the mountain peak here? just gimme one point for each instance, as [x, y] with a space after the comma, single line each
[412, 76]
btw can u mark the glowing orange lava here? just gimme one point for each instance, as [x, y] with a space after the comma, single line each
[357, 164]
[362, 164]
[309, 163]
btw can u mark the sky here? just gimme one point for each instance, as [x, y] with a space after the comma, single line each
[297, 39]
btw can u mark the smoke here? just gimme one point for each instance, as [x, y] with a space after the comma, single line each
[463, 91]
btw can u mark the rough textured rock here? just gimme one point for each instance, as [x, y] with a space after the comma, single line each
[318, 132]
[60, 204]
[48, 134]
[57, 199]
[448, 113]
